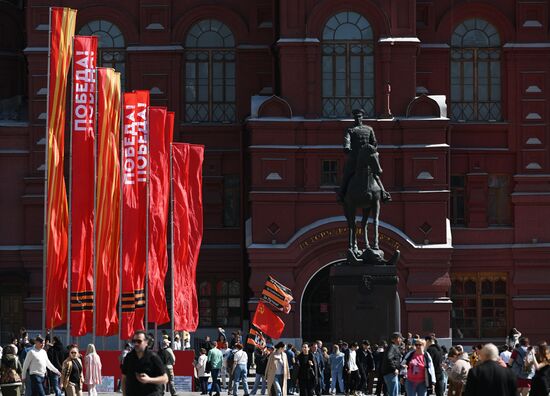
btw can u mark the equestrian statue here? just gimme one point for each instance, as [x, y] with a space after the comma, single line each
[362, 188]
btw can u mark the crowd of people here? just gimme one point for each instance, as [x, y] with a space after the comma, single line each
[411, 365]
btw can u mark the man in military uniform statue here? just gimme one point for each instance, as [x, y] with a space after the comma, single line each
[356, 138]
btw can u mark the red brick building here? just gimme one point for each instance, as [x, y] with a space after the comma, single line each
[456, 91]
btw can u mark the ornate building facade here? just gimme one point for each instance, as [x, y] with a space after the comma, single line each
[456, 91]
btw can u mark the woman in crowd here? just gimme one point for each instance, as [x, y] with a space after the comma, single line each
[92, 370]
[71, 374]
[201, 371]
[336, 361]
[458, 371]
[420, 372]
[540, 385]
[277, 372]
[306, 371]
[10, 373]
[326, 372]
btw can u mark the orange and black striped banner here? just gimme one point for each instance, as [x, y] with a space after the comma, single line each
[107, 229]
[277, 295]
[83, 135]
[256, 339]
[62, 27]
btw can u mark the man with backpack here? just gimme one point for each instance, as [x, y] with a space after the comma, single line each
[524, 364]
[437, 358]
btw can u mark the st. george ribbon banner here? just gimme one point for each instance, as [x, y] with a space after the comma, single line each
[62, 27]
[161, 126]
[107, 230]
[82, 192]
[135, 166]
[187, 231]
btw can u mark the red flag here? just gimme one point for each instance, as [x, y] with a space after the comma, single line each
[62, 26]
[159, 194]
[83, 184]
[108, 202]
[187, 232]
[267, 321]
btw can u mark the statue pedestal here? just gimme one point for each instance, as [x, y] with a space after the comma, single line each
[364, 302]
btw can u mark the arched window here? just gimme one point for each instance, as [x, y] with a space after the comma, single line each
[112, 50]
[475, 72]
[348, 65]
[210, 73]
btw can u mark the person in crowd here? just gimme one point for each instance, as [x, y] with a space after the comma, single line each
[25, 348]
[56, 354]
[143, 373]
[127, 348]
[277, 372]
[488, 378]
[506, 354]
[207, 344]
[540, 384]
[306, 371]
[513, 338]
[229, 362]
[177, 342]
[35, 365]
[224, 371]
[72, 376]
[291, 357]
[352, 370]
[474, 356]
[365, 361]
[391, 364]
[379, 351]
[437, 358]
[319, 366]
[240, 373]
[336, 362]
[326, 372]
[420, 374]
[457, 371]
[10, 372]
[539, 354]
[202, 374]
[92, 370]
[151, 341]
[186, 343]
[524, 364]
[215, 359]
[261, 357]
[169, 359]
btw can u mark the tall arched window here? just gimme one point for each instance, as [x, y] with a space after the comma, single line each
[112, 50]
[210, 73]
[348, 65]
[475, 72]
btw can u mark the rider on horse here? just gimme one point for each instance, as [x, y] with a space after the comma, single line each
[357, 138]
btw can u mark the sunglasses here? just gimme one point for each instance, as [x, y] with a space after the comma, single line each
[137, 341]
[417, 345]
[73, 353]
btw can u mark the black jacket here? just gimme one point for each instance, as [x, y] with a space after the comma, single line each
[540, 385]
[365, 360]
[490, 379]
[305, 372]
[391, 360]
[56, 354]
[437, 358]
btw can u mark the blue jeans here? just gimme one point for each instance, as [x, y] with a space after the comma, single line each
[37, 384]
[54, 382]
[259, 378]
[416, 388]
[392, 384]
[278, 384]
[215, 384]
[239, 375]
[336, 375]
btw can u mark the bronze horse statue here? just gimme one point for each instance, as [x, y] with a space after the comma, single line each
[365, 191]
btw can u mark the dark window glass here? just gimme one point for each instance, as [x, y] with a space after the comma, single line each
[499, 209]
[231, 201]
[329, 173]
[220, 303]
[457, 200]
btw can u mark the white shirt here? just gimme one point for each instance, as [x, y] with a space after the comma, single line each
[352, 364]
[177, 345]
[241, 357]
[36, 362]
[505, 356]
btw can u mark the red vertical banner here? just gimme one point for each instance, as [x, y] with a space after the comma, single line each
[135, 166]
[83, 183]
[107, 229]
[187, 228]
[62, 26]
[160, 133]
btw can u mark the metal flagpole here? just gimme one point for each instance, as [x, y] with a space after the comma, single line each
[70, 232]
[173, 323]
[94, 251]
[121, 202]
[46, 152]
